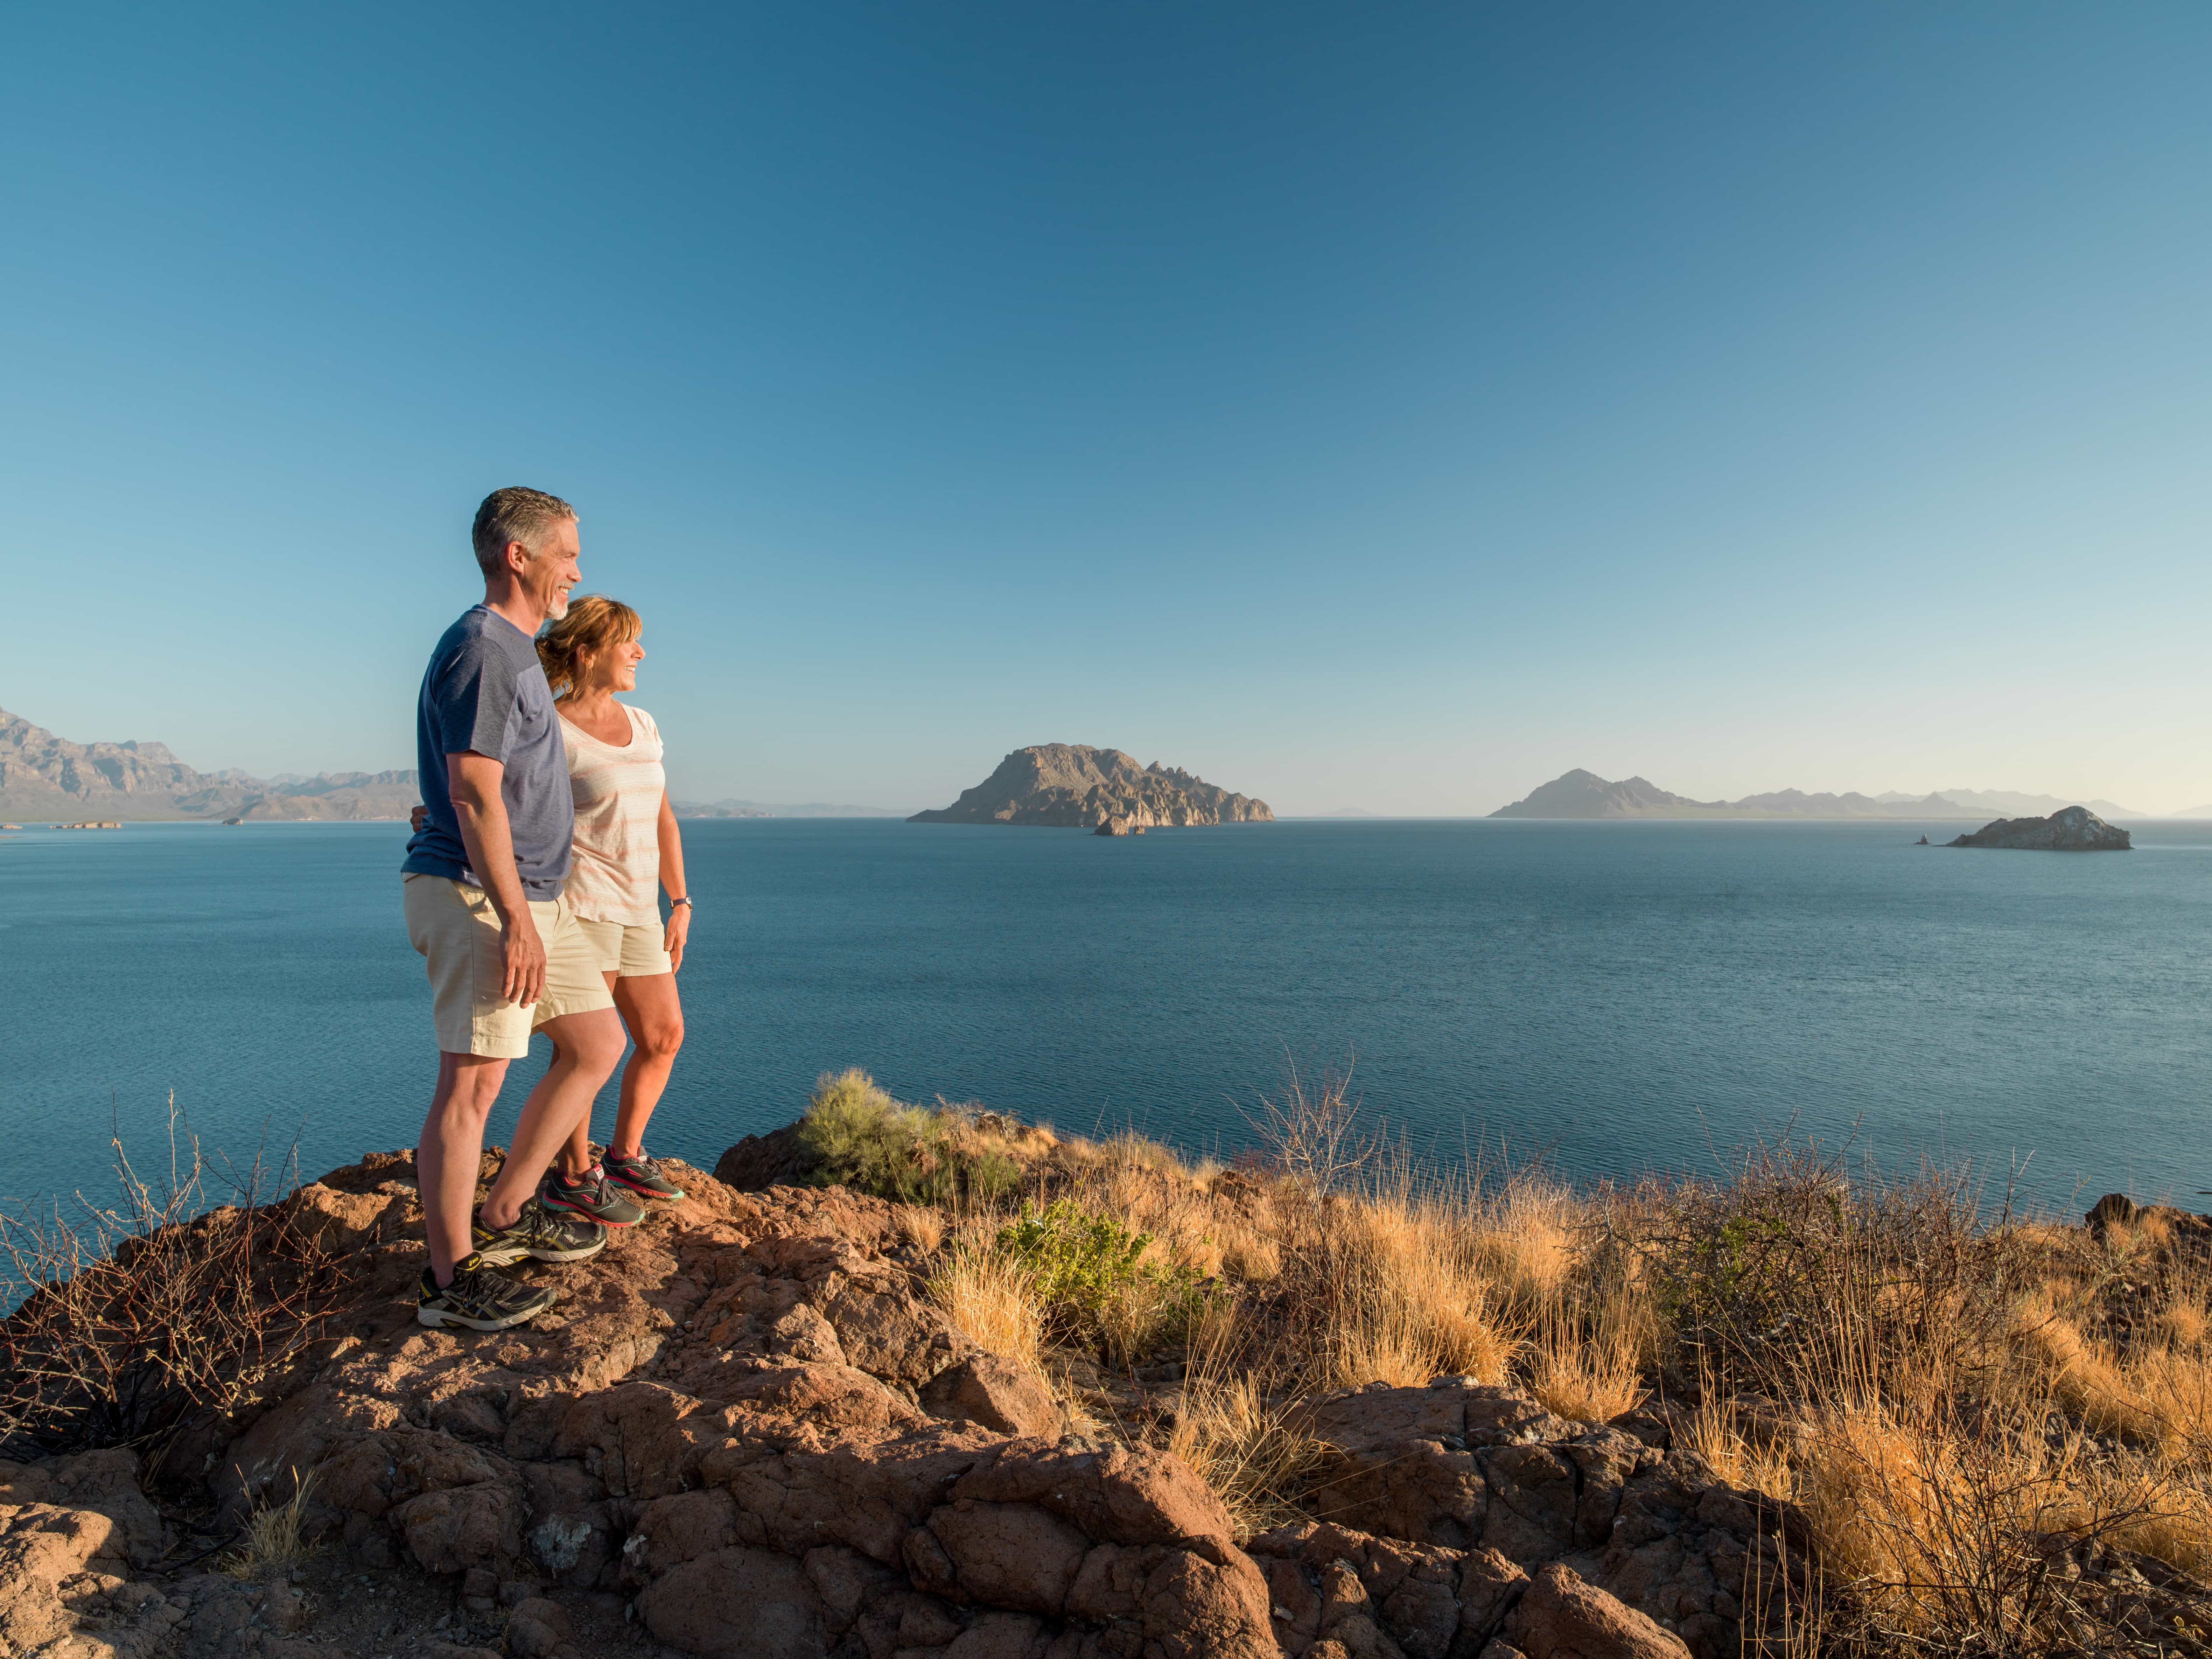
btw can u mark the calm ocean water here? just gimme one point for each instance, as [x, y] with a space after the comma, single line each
[1622, 996]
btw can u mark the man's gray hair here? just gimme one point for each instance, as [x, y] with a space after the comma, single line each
[514, 514]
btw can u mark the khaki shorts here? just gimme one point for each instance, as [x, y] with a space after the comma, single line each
[458, 932]
[628, 951]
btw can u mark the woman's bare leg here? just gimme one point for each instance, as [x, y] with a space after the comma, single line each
[654, 1015]
[576, 1157]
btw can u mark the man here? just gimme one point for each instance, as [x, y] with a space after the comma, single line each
[483, 888]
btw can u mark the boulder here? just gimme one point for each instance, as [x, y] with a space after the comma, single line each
[103, 1482]
[778, 1159]
[996, 1393]
[1480, 1471]
[1562, 1617]
[42, 1549]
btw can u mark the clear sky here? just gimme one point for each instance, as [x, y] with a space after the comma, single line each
[1362, 404]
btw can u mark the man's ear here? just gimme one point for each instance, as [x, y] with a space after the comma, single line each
[518, 557]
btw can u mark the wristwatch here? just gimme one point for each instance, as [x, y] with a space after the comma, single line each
[673, 903]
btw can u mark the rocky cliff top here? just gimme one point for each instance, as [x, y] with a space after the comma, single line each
[1072, 786]
[42, 775]
[749, 1430]
[2075, 829]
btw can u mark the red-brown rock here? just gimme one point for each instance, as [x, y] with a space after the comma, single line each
[1562, 1617]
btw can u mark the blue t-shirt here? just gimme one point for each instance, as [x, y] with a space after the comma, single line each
[485, 693]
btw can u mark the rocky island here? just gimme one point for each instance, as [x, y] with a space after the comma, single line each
[2075, 829]
[1071, 786]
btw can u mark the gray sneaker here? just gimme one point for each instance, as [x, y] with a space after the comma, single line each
[539, 1233]
[479, 1298]
[591, 1196]
[641, 1176]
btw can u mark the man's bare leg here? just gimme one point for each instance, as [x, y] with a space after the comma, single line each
[450, 1151]
[587, 1048]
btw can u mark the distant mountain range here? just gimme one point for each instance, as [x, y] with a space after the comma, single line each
[44, 777]
[1580, 795]
[755, 808]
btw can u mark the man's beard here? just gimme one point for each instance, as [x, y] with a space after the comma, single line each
[557, 607]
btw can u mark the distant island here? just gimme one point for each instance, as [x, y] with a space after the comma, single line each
[2075, 829]
[1580, 795]
[44, 777]
[1071, 786]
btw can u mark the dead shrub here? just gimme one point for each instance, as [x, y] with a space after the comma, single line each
[1799, 1276]
[1309, 1132]
[128, 1320]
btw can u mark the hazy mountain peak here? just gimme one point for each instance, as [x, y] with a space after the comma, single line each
[1581, 794]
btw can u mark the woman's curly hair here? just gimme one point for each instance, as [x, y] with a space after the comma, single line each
[594, 623]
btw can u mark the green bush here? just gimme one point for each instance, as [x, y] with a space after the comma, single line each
[1089, 1274]
[992, 1176]
[863, 1139]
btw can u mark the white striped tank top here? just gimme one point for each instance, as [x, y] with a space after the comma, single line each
[615, 875]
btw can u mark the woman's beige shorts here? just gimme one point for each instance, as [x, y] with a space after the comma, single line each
[458, 932]
[629, 952]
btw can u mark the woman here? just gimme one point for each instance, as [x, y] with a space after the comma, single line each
[627, 847]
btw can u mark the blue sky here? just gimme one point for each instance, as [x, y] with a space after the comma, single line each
[1370, 405]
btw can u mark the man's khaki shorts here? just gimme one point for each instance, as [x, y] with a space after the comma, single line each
[458, 932]
[626, 950]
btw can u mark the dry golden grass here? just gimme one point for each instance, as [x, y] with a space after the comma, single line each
[271, 1541]
[2085, 1378]
[1523, 1243]
[2183, 1325]
[992, 1299]
[1250, 1449]
[1392, 1298]
[920, 1227]
[1943, 1525]
[1759, 1463]
[1148, 1195]
[1948, 1398]
[1596, 1375]
[1136, 1317]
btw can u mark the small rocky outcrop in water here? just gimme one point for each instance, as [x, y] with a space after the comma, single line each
[1071, 786]
[2075, 829]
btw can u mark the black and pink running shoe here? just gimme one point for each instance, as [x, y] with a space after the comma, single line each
[641, 1176]
[590, 1195]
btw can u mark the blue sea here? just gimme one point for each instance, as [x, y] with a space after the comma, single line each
[1615, 997]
